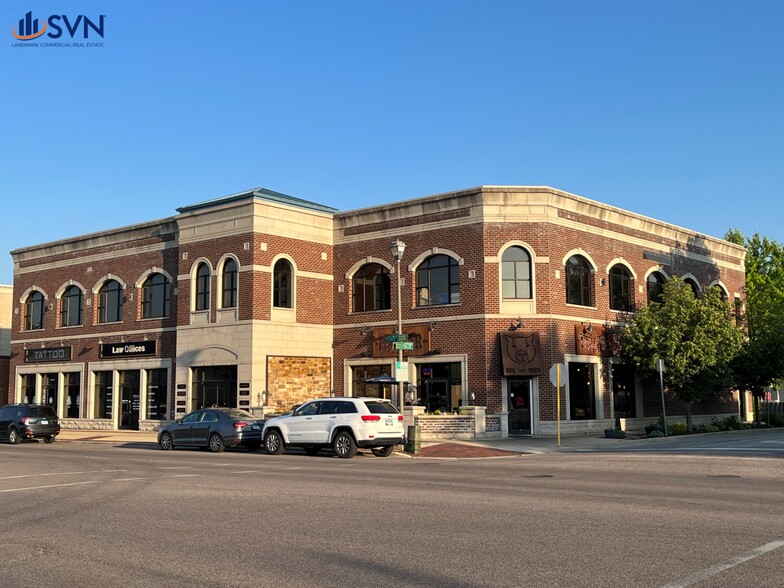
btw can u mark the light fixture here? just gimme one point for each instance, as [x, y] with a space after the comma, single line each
[397, 247]
[587, 327]
[364, 330]
[264, 398]
[432, 326]
[516, 324]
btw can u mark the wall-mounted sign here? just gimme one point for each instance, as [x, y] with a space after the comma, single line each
[521, 353]
[53, 354]
[592, 339]
[384, 341]
[129, 349]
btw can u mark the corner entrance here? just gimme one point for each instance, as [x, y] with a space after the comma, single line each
[518, 392]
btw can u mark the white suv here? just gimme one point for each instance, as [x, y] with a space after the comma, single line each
[344, 424]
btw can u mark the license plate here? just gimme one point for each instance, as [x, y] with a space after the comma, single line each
[390, 420]
[254, 427]
[44, 422]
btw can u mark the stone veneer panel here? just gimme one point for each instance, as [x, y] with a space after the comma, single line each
[293, 380]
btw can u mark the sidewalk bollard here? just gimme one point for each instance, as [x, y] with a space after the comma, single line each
[413, 440]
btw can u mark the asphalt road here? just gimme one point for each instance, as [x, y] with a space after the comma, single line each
[84, 515]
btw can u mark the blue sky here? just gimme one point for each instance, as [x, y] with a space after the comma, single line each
[668, 108]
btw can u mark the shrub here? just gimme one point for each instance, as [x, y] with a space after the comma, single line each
[776, 420]
[731, 423]
[656, 433]
[678, 428]
[653, 427]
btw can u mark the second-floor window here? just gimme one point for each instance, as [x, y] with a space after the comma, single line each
[620, 288]
[202, 287]
[71, 307]
[370, 288]
[516, 274]
[155, 296]
[438, 281]
[655, 284]
[110, 302]
[34, 311]
[229, 285]
[578, 281]
[281, 287]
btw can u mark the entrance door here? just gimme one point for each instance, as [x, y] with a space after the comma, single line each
[435, 395]
[129, 400]
[519, 403]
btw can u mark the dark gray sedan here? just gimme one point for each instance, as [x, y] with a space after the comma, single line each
[213, 429]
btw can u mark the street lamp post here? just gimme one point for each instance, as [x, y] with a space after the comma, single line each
[397, 248]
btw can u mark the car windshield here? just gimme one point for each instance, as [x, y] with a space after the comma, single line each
[380, 407]
[37, 412]
[236, 413]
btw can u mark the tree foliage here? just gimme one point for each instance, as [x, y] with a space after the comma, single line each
[760, 362]
[694, 335]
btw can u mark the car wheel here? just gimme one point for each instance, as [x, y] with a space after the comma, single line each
[49, 439]
[13, 437]
[273, 443]
[215, 443]
[385, 451]
[344, 445]
[312, 450]
[253, 446]
[166, 442]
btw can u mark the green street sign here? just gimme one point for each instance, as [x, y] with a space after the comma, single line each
[396, 338]
[404, 345]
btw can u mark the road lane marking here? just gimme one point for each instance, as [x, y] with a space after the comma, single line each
[176, 468]
[246, 472]
[49, 486]
[184, 476]
[61, 474]
[127, 479]
[713, 570]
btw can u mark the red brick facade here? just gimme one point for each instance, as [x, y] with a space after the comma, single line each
[269, 358]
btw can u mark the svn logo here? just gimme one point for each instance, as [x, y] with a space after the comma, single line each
[31, 28]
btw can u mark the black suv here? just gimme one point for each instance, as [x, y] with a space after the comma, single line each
[28, 421]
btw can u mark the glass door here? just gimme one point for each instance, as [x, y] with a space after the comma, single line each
[519, 403]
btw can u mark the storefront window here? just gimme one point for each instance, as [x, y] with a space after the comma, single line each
[157, 394]
[73, 393]
[103, 395]
[440, 387]
[581, 391]
[214, 386]
[361, 373]
[28, 388]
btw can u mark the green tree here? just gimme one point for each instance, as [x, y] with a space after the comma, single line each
[694, 335]
[760, 362]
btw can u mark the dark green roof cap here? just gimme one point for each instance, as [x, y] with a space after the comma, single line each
[263, 194]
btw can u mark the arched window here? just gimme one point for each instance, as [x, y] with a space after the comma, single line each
[110, 302]
[722, 292]
[695, 288]
[71, 307]
[655, 283]
[516, 274]
[202, 301]
[229, 287]
[578, 281]
[155, 296]
[281, 287]
[370, 288]
[620, 288]
[438, 281]
[34, 311]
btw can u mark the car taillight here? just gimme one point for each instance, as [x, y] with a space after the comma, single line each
[400, 418]
[370, 417]
[239, 424]
[26, 420]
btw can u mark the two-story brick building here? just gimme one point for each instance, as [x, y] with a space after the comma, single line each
[260, 300]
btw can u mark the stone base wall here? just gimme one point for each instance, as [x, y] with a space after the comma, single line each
[294, 380]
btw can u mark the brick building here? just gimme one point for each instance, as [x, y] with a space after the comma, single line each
[260, 300]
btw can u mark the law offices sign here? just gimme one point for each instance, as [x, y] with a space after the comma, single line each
[59, 30]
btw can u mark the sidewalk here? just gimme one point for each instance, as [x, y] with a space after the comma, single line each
[506, 447]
